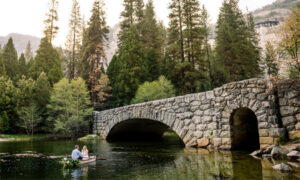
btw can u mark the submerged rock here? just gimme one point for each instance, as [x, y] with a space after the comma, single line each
[283, 168]
[269, 149]
[257, 153]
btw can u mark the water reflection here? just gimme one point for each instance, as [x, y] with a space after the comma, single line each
[132, 160]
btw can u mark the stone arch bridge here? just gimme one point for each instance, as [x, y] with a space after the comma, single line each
[239, 114]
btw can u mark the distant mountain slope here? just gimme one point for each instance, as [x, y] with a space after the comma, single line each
[277, 10]
[20, 41]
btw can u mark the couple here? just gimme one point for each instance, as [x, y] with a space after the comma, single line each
[83, 155]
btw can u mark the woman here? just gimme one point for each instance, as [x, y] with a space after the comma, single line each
[85, 153]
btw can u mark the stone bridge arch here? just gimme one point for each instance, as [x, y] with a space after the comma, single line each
[203, 119]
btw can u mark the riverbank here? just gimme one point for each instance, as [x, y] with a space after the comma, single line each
[24, 137]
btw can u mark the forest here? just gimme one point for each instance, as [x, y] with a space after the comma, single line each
[55, 90]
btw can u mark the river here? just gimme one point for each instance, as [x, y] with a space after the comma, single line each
[164, 159]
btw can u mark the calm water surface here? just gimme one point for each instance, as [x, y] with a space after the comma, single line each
[165, 159]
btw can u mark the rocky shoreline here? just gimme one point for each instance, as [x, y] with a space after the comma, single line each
[289, 152]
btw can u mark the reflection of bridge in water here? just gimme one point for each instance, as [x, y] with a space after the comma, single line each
[238, 115]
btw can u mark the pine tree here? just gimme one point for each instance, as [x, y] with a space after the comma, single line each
[93, 56]
[103, 90]
[207, 64]
[28, 52]
[175, 32]
[132, 69]
[270, 60]
[150, 30]
[74, 40]
[10, 59]
[153, 66]
[2, 66]
[51, 28]
[22, 65]
[47, 60]
[131, 16]
[235, 47]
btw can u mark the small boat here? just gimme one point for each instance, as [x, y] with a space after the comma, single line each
[91, 159]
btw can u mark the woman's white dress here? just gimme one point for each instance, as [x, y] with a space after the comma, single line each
[85, 154]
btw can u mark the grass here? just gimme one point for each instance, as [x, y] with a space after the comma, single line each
[24, 137]
[89, 137]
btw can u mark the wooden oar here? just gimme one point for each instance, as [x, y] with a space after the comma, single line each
[102, 158]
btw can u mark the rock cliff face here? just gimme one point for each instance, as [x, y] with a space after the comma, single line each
[222, 118]
[277, 10]
[20, 41]
[112, 44]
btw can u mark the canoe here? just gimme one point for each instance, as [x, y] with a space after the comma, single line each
[91, 159]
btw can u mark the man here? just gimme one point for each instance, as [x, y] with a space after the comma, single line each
[76, 154]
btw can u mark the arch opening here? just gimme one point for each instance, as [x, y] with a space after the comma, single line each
[142, 130]
[244, 130]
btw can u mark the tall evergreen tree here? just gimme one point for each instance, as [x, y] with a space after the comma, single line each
[132, 69]
[28, 52]
[22, 65]
[150, 30]
[51, 28]
[47, 60]
[175, 31]
[235, 47]
[2, 66]
[10, 59]
[93, 55]
[270, 60]
[132, 15]
[74, 40]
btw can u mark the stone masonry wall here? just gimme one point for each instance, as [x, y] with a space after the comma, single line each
[289, 101]
[203, 119]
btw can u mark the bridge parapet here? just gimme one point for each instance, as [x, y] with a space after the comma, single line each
[206, 119]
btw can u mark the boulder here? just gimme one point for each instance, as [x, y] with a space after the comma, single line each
[276, 151]
[294, 154]
[257, 153]
[203, 142]
[283, 168]
[269, 149]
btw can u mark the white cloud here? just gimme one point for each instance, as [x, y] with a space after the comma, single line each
[26, 16]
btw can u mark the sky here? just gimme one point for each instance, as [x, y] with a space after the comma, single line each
[27, 16]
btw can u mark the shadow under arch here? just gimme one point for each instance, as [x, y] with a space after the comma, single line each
[244, 129]
[139, 129]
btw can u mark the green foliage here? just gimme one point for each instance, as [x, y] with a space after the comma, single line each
[47, 60]
[93, 58]
[32, 99]
[129, 69]
[28, 52]
[69, 163]
[10, 60]
[152, 65]
[8, 105]
[236, 43]
[270, 60]
[69, 107]
[294, 73]
[22, 65]
[160, 89]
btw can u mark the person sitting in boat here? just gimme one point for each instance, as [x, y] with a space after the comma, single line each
[85, 153]
[76, 154]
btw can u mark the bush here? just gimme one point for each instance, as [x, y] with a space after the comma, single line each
[69, 163]
[149, 91]
[70, 107]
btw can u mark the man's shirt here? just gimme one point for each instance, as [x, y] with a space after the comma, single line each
[76, 154]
